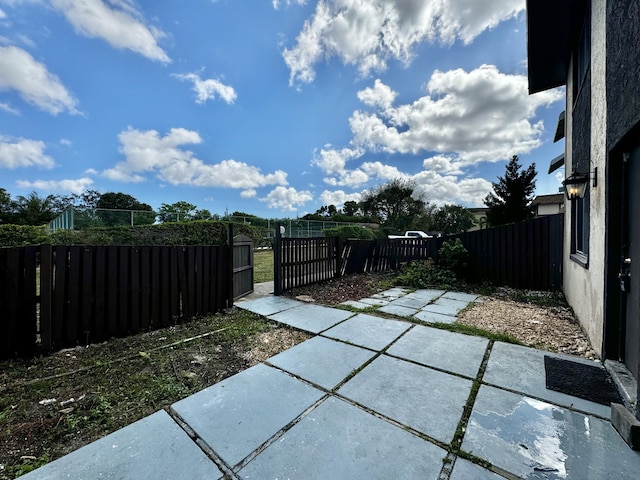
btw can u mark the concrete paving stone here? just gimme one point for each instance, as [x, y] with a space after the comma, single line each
[426, 400]
[466, 470]
[444, 309]
[359, 305]
[521, 369]
[237, 415]
[463, 297]
[152, 448]
[398, 310]
[322, 361]
[410, 302]
[268, 305]
[392, 293]
[338, 440]
[427, 294]
[368, 331]
[375, 301]
[537, 440]
[311, 318]
[433, 317]
[453, 352]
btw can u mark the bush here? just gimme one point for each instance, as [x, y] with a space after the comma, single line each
[424, 274]
[454, 257]
[20, 235]
[350, 231]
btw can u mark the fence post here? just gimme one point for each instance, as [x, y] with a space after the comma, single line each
[277, 261]
[229, 292]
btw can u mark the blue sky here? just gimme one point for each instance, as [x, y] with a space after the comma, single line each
[271, 107]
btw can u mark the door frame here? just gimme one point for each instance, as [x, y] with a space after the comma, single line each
[615, 223]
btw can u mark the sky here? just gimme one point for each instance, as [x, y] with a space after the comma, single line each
[269, 107]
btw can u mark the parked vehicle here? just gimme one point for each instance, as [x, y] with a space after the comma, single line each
[412, 234]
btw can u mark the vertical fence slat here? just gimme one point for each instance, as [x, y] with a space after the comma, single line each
[165, 309]
[145, 288]
[46, 285]
[111, 326]
[134, 287]
[100, 293]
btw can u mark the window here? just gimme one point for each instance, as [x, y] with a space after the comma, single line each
[582, 55]
[580, 230]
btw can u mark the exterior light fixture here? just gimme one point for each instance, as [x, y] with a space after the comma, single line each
[575, 185]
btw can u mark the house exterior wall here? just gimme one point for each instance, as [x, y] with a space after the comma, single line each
[549, 209]
[586, 149]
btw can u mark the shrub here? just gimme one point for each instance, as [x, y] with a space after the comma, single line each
[454, 256]
[350, 231]
[424, 274]
[20, 235]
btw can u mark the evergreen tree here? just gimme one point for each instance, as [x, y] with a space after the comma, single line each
[511, 198]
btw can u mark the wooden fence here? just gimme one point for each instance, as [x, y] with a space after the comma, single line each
[60, 296]
[522, 255]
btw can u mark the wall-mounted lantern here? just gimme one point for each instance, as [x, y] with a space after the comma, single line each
[575, 185]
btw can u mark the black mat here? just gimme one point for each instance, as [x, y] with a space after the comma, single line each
[588, 382]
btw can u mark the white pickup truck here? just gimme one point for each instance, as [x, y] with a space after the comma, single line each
[412, 234]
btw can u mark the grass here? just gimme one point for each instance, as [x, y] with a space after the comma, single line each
[263, 266]
[104, 387]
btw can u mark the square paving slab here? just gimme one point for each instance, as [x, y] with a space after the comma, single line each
[453, 352]
[427, 294]
[322, 361]
[237, 415]
[538, 440]
[379, 302]
[410, 301]
[426, 400]
[154, 447]
[522, 369]
[339, 441]
[432, 317]
[311, 318]
[461, 297]
[446, 306]
[268, 305]
[392, 293]
[398, 310]
[368, 331]
[465, 470]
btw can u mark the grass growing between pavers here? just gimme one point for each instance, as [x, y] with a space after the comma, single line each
[52, 405]
[263, 266]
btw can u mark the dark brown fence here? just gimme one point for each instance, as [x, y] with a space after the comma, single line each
[59, 296]
[523, 255]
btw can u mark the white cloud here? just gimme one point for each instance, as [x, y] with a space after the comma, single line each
[250, 193]
[367, 33]
[442, 164]
[76, 186]
[384, 172]
[481, 115]
[287, 199]
[339, 197]
[441, 189]
[166, 157]
[7, 108]
[287, 3]
[23, 152]
[118, 22]
[19, 71]
[380, 95]
[209, 88]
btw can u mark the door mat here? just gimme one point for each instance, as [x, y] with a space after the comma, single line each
[588, 382]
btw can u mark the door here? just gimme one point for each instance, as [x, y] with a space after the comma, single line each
[630, 263]
[242, 266]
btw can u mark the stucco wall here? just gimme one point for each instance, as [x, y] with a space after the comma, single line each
[584, 287]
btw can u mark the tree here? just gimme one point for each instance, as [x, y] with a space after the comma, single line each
[176, 212]
[512, 195]
[122, 201]
[396, 204]
[7, 207]
[350, 208]
[450, 219]
[34, 210]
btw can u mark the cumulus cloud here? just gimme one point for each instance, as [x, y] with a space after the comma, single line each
[287, 3]
[368, 33]
[147, 152]
[287, 199]
[339, 197]
[441, 189]
[76, 186]
[208, 89]
[380, 95]
[250, 193]
[23, 152]
[443, 164]
[20, 72]
[118, 22]
[481, 115]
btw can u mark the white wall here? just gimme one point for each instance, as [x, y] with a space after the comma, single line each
[550, 209]
[584, 287]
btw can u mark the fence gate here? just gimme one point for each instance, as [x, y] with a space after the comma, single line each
[242, 266]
